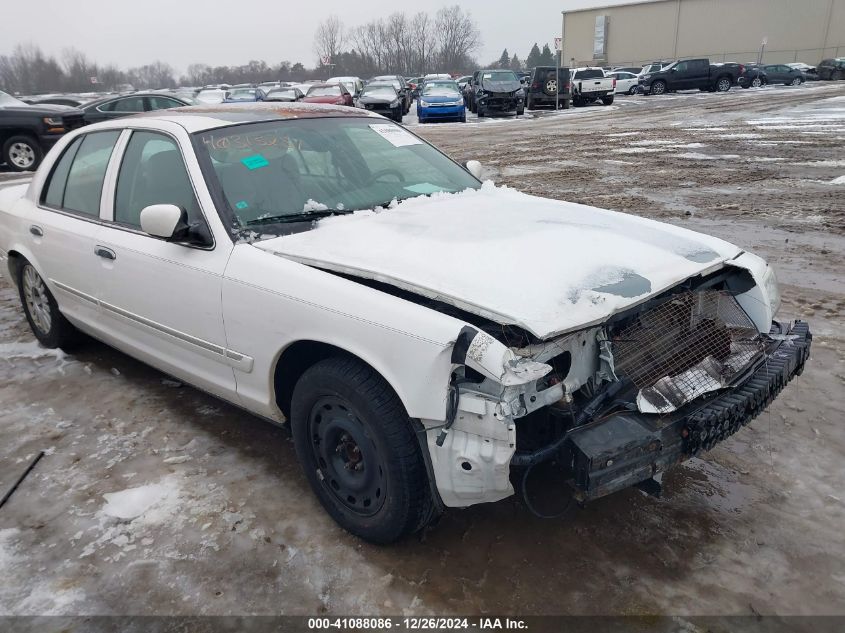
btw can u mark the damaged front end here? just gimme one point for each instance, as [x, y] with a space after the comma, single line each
[615, 404]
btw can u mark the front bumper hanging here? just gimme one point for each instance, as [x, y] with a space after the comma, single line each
[629, 448]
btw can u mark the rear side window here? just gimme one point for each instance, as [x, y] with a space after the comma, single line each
[83, 169]
[152, 172]
[55, 191]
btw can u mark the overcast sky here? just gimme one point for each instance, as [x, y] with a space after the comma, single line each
[181, 32]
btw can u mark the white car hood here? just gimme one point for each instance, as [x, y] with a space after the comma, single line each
[544, 265]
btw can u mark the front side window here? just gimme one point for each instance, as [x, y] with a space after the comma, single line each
[276, 177]
[86, 172]
[152, 172]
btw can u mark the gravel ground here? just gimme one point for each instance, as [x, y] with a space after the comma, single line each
[753, 527]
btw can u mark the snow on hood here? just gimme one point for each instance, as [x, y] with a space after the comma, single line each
[545, 265]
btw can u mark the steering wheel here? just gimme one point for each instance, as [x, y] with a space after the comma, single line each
[386, 172]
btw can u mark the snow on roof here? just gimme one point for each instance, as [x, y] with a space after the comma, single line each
[199, 118]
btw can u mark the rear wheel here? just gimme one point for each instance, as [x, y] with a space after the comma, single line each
[357, 447]
[529, 103]
[480, 111]
[797, 81]
[633, 90]
[22, 153]
[608, 100]
[48, 324]
[723, 84]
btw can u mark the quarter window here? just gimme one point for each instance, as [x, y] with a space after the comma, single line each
[152, 172]
[76, 183]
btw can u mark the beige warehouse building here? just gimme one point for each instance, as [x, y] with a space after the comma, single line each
[724, 30]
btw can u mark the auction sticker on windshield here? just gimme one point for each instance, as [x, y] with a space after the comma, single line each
[395, 134]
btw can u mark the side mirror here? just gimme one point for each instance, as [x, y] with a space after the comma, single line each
[474, 167]
[164, 220]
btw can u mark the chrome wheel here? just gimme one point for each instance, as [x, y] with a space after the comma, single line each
[723, 85]
[551, 86]
[37, 300]
[22, 155]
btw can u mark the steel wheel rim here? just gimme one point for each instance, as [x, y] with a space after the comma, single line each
[37, 303]
[22, 155]
[347, 460]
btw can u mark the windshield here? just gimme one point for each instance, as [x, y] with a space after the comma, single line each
[9, 101]
[384, 91]
[499, 75]
[441, 90]
[211, 96]
[289, 93]
[242, 94]
[276, 177]
[324, 91]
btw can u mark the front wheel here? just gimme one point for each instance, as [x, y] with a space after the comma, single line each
[633, 90]
[797, 81]
[359, 452]
[520, 111]
[45, 320]
[756, 82]
[22, 153]
[658, 88]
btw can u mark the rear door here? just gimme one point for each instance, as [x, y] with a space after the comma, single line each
[66, 223]
[161, 299]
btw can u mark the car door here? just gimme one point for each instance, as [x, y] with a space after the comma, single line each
[697, 74]
[161, 299]
[774, 74]
[66, 223]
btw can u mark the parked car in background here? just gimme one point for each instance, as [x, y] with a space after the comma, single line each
[244, 95]
[27, 132]
[401, 89]
[626, 82]
[431, 76]
[495, 91]
[115, 107]
[382, 98]
[441, 100]
[634, 70]
[63, 100]
[462, 81]
[544, 85]
[832, 69]
[810, 73]
[691, 74]
[412, 377]
[753, 76]
[653, 67]
[336, 94]
[287, 93]
[414, 84]
[783, 74]
[590, 84]
[352, 84]
[210, 96]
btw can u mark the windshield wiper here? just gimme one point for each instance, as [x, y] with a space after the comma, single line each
[304, 216]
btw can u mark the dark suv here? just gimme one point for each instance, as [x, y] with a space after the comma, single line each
[832, 69]
[544, 87]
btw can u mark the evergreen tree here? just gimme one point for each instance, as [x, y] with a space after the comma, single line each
[533, 58]
[516, 65]
[505, 60]
[546, 57]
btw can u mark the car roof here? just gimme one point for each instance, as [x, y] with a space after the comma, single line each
[102, 100]
[200, 118]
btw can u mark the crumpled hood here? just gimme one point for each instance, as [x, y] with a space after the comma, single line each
[545, 265]
[500, 86]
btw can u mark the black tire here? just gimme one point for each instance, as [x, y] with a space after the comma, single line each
[22, 153]
[608, 100]
[633, 90]
[745, 85]
[566, 104]
[658, 88]
[359, 452]
[529, 103]
[796, 82]
[520, 111]
[463, 118]
[723, 84]
[45, 320]
[480, 112]
[836, 76]
[398, 116]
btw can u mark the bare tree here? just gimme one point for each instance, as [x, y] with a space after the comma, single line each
[329, 38]
[457, 37]
[422, 34]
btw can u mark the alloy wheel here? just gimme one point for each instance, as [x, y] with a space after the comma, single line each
[37, 302]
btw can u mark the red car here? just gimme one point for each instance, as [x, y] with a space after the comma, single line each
[336, 94]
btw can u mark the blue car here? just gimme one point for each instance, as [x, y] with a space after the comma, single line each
[241, 95]
[441, 100]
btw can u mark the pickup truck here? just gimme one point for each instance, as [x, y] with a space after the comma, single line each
[690, 74]
[28, 131]
[591, 84]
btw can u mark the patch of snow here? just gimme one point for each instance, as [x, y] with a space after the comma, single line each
[313, 205]
[133, 502]
[698, 156]
[620, 134]
[638, 150]
[838, 181]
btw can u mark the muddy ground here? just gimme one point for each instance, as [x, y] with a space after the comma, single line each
[753, 527]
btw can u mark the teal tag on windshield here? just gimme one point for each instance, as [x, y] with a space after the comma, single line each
[255, 161]
[243, 204]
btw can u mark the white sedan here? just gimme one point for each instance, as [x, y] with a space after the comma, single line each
[427, 338]
[626, 83]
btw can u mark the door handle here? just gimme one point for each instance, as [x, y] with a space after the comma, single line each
[37, 231]
[105, 253]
